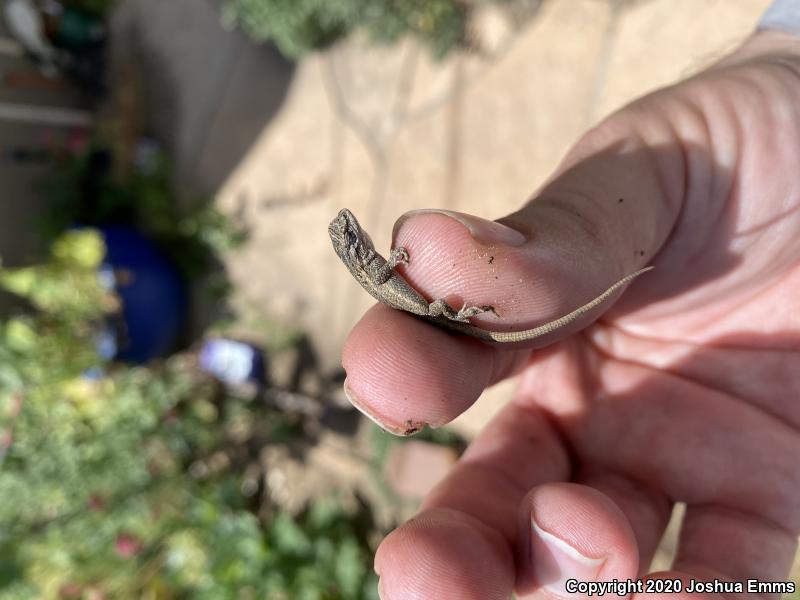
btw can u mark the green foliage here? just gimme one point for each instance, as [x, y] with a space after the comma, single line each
[59, 340]
[112, 485]
[67, 285]
[96, 8]
[796, 594]
[299, 26]
[85, 190]
[315, 557]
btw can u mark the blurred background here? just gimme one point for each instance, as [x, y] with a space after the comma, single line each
[171, 417]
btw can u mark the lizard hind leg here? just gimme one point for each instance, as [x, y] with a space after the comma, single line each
[440, 308]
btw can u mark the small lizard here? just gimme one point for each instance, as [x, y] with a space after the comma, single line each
[377, 275]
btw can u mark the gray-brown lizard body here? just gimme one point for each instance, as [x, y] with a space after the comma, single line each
[378, 277]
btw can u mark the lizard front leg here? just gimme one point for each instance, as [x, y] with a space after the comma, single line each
[398, 256]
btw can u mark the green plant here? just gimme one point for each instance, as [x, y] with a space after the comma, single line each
[97, 8]
[127, 482]
[88, 189]
[796, 594]
[300, 26]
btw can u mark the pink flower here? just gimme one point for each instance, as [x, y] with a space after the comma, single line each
[96, 502]
[127, 545]
[70, 590]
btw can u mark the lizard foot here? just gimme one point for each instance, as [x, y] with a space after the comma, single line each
[467, 312]
[441, 308]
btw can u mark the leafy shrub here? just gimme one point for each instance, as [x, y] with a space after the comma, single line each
[97, 8]
[299, 26]
[126, 482]
[91, 190]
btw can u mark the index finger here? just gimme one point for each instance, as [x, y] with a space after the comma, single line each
[404, 373]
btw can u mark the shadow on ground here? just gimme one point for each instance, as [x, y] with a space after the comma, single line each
[204, 93]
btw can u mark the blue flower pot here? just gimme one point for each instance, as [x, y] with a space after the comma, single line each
[153, 294]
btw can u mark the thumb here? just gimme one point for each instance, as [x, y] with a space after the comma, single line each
[601, 218]
[564, 248]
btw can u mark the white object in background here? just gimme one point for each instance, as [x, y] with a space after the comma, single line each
[26, 25]
[230, 361]
[783, 15]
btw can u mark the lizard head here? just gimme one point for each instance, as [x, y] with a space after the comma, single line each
[350, 242]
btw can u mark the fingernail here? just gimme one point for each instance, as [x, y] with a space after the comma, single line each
[484, 231]
[555, 562]
[408, 428]
[351, 396]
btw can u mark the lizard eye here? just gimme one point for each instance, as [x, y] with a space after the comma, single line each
[352, 239]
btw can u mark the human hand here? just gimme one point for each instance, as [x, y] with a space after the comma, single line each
[687, 390]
